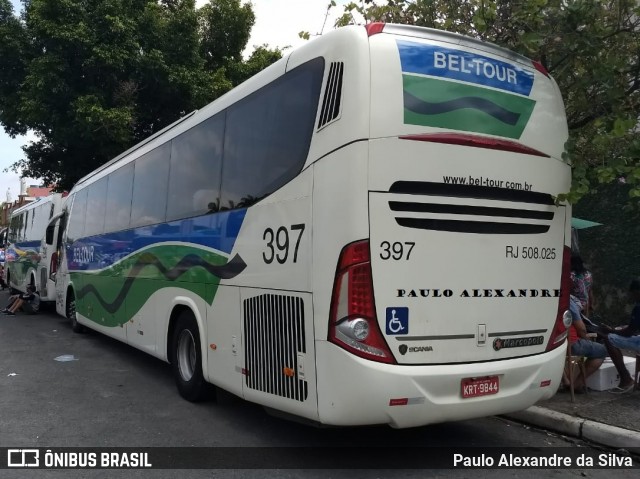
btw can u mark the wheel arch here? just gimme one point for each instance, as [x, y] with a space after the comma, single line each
[180, 305]
[70, 291]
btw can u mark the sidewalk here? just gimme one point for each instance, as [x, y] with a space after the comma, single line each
[601, 417]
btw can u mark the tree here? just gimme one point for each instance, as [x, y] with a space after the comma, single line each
[13, 42]
[260, 59]
[218, 47]
[93, 77]
[590, 47]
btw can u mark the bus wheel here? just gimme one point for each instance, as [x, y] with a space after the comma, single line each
[12, 290]
[186, 359]
[71, 314]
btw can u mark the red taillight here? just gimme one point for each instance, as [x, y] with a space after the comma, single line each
[374, 28]
[540, 67]
[53, 267]
[560, 331]
[475, 141]
[353, 324]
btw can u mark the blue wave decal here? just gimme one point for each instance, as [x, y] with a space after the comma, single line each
[218, 231]
[27, 245]
[438, 61]
[429, 108]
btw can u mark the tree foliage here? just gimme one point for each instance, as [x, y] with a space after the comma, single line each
[590, 47]
[93, 77]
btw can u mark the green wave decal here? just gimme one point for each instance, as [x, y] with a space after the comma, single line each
[114, 295]
[428, 108]
[25, 259]
[458, 106]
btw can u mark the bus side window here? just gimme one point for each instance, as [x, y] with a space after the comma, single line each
[196, 167]
[268, 134]
[48, 236]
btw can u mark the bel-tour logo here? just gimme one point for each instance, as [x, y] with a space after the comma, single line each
[440, 62]
[500, 343]
[478, 293]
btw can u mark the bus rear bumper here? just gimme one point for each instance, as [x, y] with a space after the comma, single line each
[354, 391]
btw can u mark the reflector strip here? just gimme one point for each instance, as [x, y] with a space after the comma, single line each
[476, 141]
[406, 401]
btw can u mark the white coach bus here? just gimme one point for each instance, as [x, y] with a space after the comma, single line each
[31, 258]
[366, 232]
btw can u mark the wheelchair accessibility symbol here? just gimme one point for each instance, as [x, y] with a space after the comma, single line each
[398, 320]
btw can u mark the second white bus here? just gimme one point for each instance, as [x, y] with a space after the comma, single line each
[30, 258]
[365, 232]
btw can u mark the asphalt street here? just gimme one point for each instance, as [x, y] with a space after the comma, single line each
[111, 395]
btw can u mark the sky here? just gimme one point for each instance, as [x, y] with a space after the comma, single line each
[277, 24]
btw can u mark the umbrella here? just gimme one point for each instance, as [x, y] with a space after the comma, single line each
[581, 224]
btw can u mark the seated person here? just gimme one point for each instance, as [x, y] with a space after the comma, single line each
[581, 345]
[627, 338]
[29, 302]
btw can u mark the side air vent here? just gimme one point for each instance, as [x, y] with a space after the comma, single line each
[274, 332]
[332, 95]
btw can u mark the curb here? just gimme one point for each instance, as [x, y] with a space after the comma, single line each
[604, 434]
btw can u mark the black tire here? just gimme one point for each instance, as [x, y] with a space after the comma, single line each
[186, 360]
[76, 327]
[12, 290]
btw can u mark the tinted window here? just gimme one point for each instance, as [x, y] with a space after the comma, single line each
[150, 182]
[196, 163]
[26, 225]
[76, 221]
[119, 188]
[96, 208]
[268, 134]
[13, 231]
[38, 222]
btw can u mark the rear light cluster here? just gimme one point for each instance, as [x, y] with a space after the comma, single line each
[353, 324]
[563, 319]
[540, 67]
[374, 28]
[53, 267]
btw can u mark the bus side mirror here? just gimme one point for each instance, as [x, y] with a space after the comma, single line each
[48, 238]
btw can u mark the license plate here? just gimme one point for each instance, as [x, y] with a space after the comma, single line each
[474, 387]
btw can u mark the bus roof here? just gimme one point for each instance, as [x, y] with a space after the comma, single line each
[37, 202]
[457, 38]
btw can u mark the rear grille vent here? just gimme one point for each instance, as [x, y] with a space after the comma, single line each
[274, 332]
[470, 217]
[332, 95]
